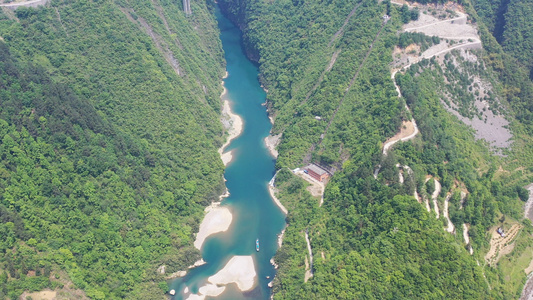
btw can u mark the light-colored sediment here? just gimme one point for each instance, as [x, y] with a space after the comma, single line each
[233, 124]
[196, 297]
[271, 142]
[239, 270]
[198, 263]
[211, 290]
[217, 219]
[227, 157]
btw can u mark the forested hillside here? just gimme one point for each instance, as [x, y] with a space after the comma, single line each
[109, 120]
[506, 30]
[327, 67]
[510, 23]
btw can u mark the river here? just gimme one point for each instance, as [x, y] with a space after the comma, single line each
[255, 215]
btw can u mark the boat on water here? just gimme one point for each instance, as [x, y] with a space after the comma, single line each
[257, 245]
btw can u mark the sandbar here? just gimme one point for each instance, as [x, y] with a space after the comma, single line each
[217, 219]
[211, 290]
[196, 297]
[233, 124]
[239, 270]
[227, 157]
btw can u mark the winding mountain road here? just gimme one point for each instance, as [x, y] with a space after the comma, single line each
[473, 42]
[32, 3]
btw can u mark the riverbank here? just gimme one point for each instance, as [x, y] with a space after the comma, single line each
[232, 123]
[272, 190]
[272, 142]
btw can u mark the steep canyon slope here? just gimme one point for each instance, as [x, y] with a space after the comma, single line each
[327, 67]
[109, 114]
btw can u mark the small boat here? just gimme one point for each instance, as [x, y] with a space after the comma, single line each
[172, 292]
[257, 245]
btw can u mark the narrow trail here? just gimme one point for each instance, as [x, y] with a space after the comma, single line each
[450, 228]
[321, 78]
[466, 237]
[341, 30]
[333, 58]
[389, 144]
[461, 16]
[351, 84]
[32, 3]
[527, 291]
[60, 22]
[309, 272]
[529, 203]
[435, 195]
[474, 42]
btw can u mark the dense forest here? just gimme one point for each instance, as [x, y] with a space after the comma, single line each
[109, 121]
[327, 67]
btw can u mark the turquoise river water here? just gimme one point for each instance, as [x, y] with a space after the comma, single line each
[255, 215]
